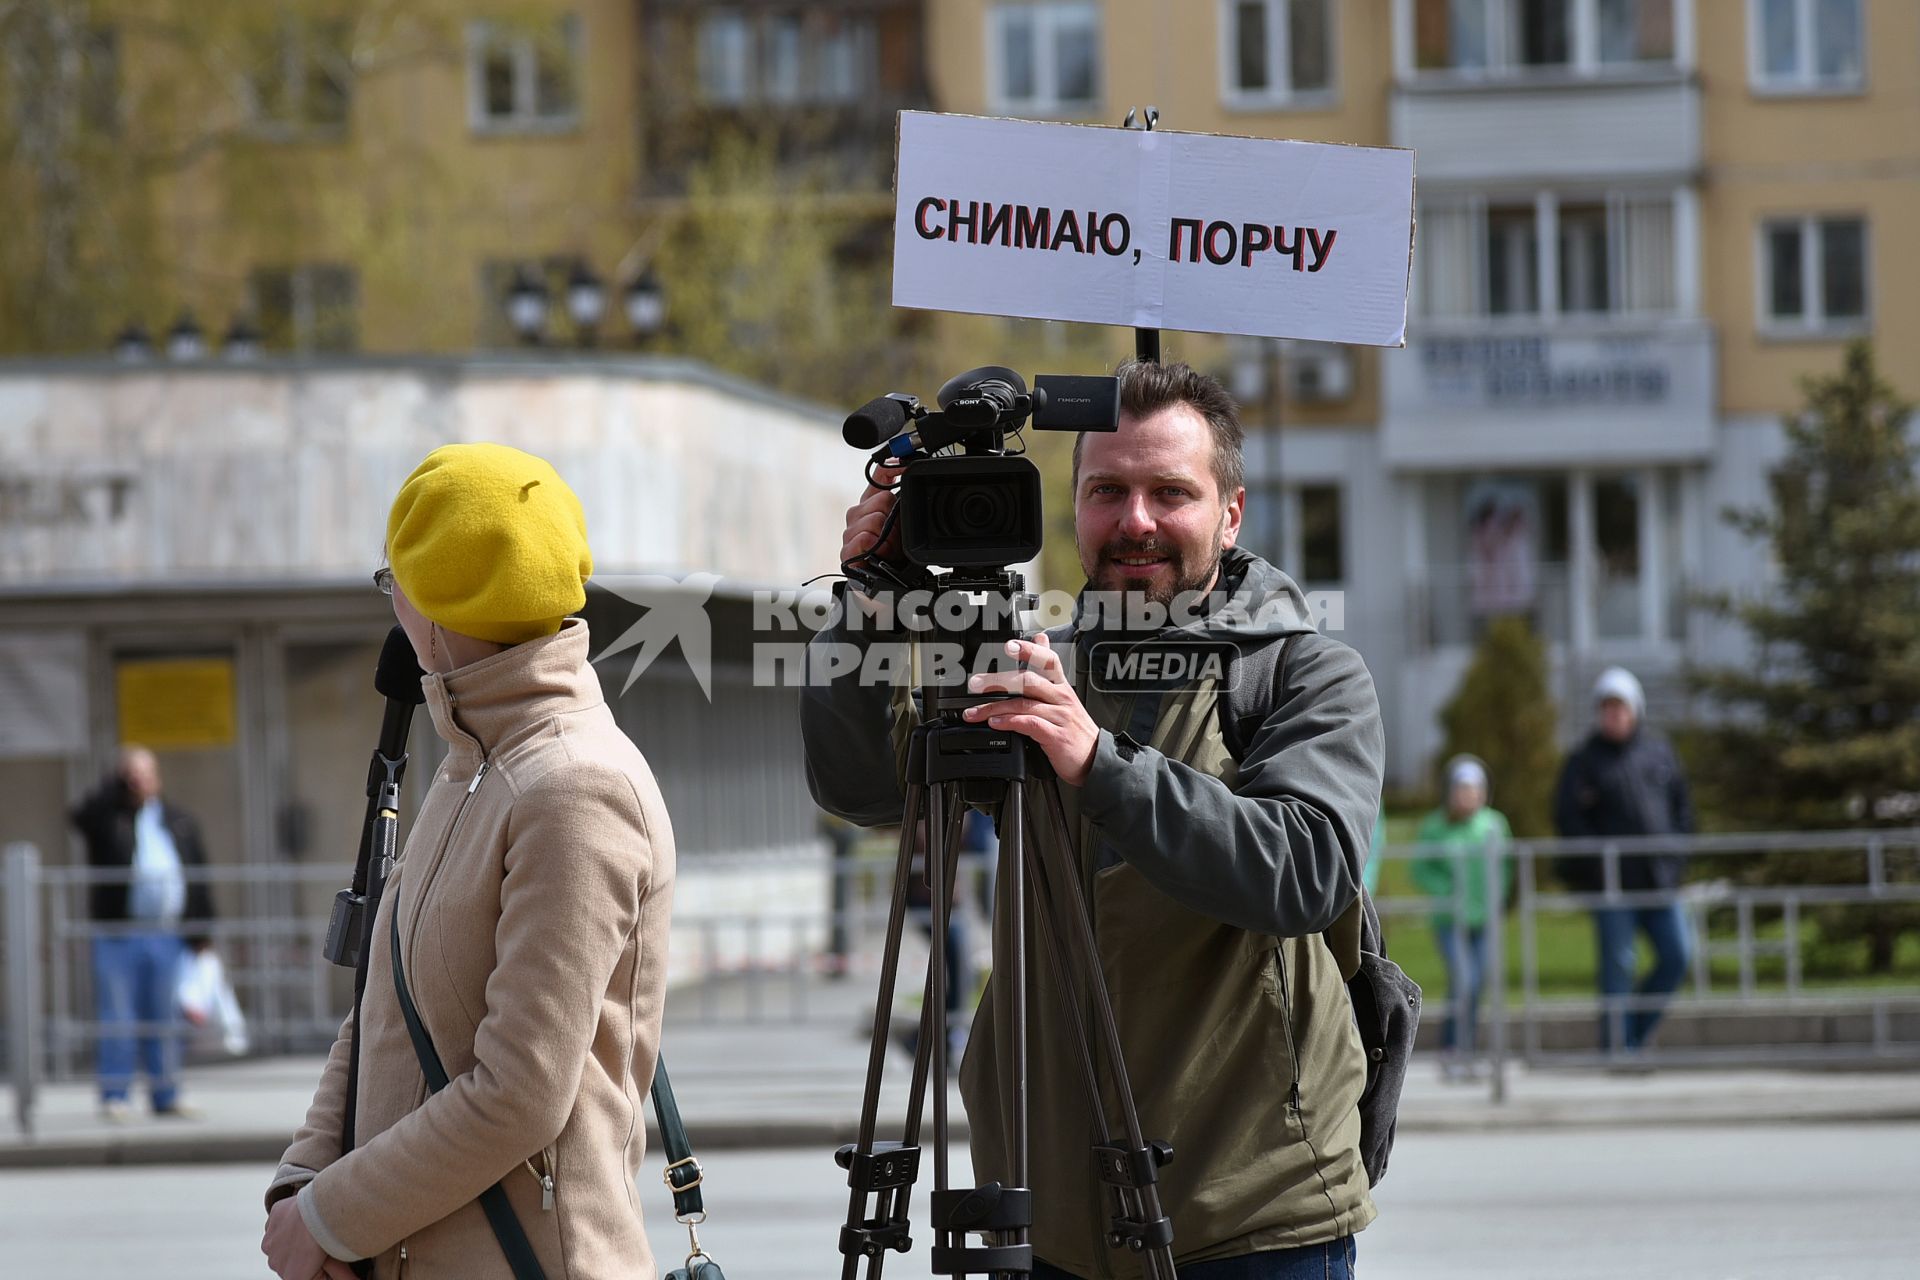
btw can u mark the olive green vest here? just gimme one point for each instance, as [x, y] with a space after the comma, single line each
[1241, 1050]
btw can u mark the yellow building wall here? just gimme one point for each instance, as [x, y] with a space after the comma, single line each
[410, 194]
[1770, 155]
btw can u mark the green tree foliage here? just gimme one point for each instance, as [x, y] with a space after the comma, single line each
[152, 150]
[1821, 729]
[773, 279]
[1503, 713]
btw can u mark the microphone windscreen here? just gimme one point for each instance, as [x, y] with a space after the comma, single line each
[962, 383]
[398, 676]
[874, 423]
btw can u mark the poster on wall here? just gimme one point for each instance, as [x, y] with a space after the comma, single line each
[175, 704]
[1503, 537]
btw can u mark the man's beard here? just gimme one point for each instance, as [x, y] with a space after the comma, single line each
[1177, 577]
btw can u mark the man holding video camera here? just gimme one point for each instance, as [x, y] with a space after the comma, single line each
[1223, 877]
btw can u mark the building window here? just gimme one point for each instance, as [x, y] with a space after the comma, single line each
[1636, 31]
[1617, 555]
[726, 56]
[786, 57]
[1044, 59]
[1297, 527]
[1539, 33]
[1813, 275]
[1503, 37]
[302, 80]
[310, 308]
[1807, 46]
[523, 76]
[1322, 549]
[1512, 261]
[845, 58]
[1277, 51]
[1615, 255]
[1586, 273]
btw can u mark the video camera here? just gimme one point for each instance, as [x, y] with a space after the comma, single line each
[966, 501]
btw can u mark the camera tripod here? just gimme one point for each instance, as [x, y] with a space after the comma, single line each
[951, 763]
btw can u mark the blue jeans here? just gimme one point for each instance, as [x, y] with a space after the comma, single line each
[1614, 929]
[1330, 1261]
[1465, 953]
[135, 977]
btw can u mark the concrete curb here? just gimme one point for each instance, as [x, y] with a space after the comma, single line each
[798, 1132]
[182, 1148]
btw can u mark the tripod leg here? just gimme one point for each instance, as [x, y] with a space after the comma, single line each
[917, 1089]
[895, 1202]
[877, 1050]
[935, 1009]
[1046, 916]
[1159, 1259]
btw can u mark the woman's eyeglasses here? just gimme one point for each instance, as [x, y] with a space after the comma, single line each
[383, 579]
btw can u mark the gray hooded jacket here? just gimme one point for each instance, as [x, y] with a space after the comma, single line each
[1220, 894]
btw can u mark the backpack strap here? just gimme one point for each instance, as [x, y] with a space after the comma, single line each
[1253, 674]
[1257, 670]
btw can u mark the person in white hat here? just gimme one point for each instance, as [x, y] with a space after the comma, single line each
[1625, 780]
[1452, 870]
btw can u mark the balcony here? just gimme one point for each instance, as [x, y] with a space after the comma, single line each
[817, 85]
[1492, 90]
[1535, 128]
[1549, 395]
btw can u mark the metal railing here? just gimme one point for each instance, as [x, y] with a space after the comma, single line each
[1859, 872]
[754, 936]
[293, 999]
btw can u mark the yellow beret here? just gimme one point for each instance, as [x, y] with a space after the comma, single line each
[489, 542]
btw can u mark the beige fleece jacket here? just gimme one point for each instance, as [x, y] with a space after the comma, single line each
[533, 896]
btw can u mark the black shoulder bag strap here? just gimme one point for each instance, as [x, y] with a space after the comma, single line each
[500, 1216]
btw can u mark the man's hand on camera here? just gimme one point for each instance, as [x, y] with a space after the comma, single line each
[865, 518]
[1048, 710]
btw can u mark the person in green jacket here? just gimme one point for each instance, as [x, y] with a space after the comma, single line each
[1452, 870]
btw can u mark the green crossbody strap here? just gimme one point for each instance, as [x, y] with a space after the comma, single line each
[683, 1178]
[683, 1175]
[493, 1201]
[683, 1171]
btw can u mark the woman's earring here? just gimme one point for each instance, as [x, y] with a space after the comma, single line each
[433, 644]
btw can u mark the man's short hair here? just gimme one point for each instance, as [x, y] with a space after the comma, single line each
[1147, 386]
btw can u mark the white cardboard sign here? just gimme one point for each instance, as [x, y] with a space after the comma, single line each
[1153, 228]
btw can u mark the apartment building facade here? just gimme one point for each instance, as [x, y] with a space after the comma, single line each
[344, 177]
[1639, 224]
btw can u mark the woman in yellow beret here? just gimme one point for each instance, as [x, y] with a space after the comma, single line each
[529, 909]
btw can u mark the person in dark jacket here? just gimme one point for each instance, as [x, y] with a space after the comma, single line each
[1625, 780]
[129, 829]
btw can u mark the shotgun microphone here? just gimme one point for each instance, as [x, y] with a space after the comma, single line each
[397, 678]
[349, 938]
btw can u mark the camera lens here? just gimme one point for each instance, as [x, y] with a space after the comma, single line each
[969, 511]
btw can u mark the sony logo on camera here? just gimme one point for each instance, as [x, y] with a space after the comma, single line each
[1161, 666]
